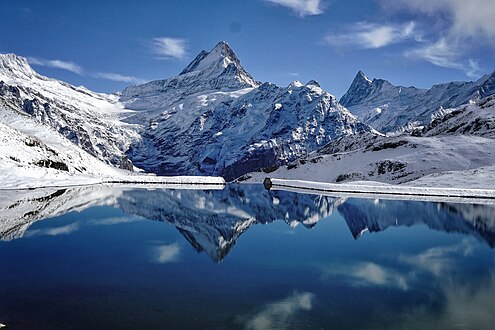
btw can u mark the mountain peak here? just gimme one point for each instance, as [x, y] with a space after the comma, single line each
[13, 65]
[360, 76]
[221, 60]
[487, 85]
[357, 91]
[220, 55]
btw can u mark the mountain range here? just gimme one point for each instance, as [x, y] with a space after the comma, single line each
[215, 119]
[389, 108]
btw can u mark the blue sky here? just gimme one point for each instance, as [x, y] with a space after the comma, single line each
[108, 45]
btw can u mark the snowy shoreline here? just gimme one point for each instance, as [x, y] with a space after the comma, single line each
[378, 189]
[171, 182]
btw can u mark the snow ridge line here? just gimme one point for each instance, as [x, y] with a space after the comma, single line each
[178, 182]
[381, 189]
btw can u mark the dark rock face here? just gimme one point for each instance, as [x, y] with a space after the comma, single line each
[358, 91]
[126, 164]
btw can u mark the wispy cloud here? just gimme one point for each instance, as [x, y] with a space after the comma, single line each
[370, 35]
[118, 77]
[473, 18]
[301, 7]
[465, 304]
[166, 253]
[368, 274]
[77, 69]
[167, 48]
[278, 314]
[445, 54]
[460, 26]
[115, 221]
[438, 260]
[57, 64]
[62, 230]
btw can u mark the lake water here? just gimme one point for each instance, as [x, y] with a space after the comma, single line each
[242, 257]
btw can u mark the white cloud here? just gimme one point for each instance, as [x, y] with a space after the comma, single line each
[463, 305]
[167, 253]
[62, 230]
[58, 64]
[367, 274]
[438, 260]
[166, 48]
[77, 69]
[459, 27]
[114, 221]
[445, 54]
[370, 35]
[373, 274]
[118, 77]
[469, 18]
[278, 314]
[301, 7]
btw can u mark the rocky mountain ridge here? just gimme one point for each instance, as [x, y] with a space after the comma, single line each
[388, 108]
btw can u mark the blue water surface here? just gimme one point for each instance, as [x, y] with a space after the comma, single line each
[243, 258]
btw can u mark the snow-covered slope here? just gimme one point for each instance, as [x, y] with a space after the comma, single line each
[387, 108]
[38, 156]
[392, 160]
[476, 118]
[214, 119]
[456, 140]
[93, 121]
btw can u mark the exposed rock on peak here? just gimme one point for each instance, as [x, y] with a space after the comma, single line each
[389, 108]
[14, 66]
[217, 70]
[358, 90]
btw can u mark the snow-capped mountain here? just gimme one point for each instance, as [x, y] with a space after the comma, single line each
[456, 139]
[217, 70]
[214, 119]
[38, 155]
[92, 121]
[388, 108]
[474, 119]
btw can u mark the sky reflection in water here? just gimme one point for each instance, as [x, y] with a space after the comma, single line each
[244, 258]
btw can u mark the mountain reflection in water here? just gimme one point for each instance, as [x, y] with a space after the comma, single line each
[213, 220]
[110, 257]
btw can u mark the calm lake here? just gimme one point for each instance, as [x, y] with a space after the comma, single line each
[242, 258]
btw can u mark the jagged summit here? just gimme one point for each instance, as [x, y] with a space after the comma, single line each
[361, 76]
[358, 90]
[219, 61]
[389, 108]
[487, 85]
[216, 70]
[221, 54]
[12, 65]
